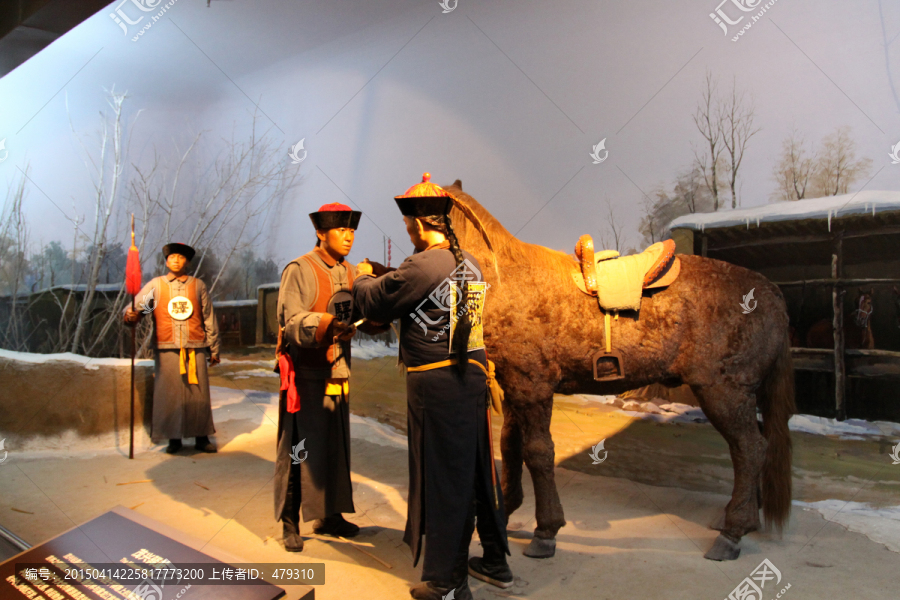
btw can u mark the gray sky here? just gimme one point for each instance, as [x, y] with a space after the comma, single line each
[508, 96]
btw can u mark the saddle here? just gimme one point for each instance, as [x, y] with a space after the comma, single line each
[618, 284]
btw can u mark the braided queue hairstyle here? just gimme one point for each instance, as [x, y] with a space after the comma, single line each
[460, 347]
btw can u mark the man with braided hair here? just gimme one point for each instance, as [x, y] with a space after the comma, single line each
[451, 467]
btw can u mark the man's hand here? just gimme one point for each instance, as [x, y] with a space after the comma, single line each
[343, 331]
[214, 360]
[368, 267]
[131, 317]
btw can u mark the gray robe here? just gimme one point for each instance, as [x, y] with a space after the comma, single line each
[319, 486]
[181, 410]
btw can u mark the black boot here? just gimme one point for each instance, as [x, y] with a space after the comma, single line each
[430, 590]
[492, 568]
[335, 525]
[291, 534]
[173, 447]
[204, 445]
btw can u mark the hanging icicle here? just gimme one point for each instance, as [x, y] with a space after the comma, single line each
[829, 219]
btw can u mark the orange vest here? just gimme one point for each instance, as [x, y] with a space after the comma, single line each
[321, 358]
[165, 330]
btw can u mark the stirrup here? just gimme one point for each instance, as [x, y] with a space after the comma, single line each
[614, 357]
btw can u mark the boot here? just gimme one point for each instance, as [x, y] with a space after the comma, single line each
[492, 568]
[291, 534]
[335, 525]
[204, 445]
[173, 447]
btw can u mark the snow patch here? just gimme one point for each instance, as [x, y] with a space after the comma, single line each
[89, 363]
[880, 525]
[369, 349]
[851, 429]
[828, 208]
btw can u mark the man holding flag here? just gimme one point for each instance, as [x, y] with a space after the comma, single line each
[185, 336]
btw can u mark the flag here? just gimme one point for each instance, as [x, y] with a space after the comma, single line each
[133, 267]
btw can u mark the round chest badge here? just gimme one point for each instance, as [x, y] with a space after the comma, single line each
[180, 308]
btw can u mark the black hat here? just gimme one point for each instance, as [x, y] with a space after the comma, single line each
[424, 199]
[334, 215]
[176, 248]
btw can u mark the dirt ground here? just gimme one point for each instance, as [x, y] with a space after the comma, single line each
[638, 524]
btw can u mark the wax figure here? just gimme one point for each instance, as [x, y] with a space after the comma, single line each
[185, 336]
[451, 476]
[312, 464]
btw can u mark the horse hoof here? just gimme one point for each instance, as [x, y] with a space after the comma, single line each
[723, 549]
[540, 548]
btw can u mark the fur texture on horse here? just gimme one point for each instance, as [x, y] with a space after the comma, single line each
[541, 332]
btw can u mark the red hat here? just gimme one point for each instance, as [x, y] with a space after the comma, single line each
[424, 199]
[334, 215]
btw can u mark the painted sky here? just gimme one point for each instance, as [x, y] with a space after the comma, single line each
[508, 96]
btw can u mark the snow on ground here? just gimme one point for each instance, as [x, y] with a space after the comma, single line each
[89, 363]
[880, 525]
[369, 349]
[851, 429]
[256, 373]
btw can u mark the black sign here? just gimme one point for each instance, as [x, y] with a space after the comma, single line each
[113, 557]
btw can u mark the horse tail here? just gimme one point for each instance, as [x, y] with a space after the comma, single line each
[776, 402]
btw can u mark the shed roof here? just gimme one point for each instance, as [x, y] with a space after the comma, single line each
[827, 208]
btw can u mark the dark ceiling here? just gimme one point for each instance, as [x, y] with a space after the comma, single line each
[29, 26]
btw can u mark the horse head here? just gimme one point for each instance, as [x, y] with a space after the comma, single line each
[864, 308]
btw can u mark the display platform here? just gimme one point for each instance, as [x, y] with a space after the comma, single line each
[124, 555]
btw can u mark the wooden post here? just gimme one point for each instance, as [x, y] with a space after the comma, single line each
[260, 316]
[837, 302]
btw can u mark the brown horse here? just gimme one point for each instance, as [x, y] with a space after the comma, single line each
[541, 331]
[821, 333]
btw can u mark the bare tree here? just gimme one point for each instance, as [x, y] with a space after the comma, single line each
[838, 167]
[14, 267]
[707, 117]
[689, 195]
[794, 169]
[736, 124]
[612, 234]
[106, 193]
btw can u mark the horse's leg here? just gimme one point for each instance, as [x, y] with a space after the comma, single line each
[511, 451]
[538, 451]
[732, 411]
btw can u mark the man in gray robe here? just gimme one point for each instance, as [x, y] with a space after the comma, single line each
[185, 336]
[312, 465]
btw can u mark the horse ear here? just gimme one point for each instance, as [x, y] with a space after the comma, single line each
[458, 184]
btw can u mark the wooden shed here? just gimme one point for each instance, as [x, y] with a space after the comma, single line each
[823, 253]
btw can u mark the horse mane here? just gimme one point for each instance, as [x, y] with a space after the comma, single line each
[471, 221]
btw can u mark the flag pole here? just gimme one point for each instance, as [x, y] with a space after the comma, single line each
[131, 430]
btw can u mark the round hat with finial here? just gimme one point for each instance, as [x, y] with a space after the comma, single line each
[424, 199]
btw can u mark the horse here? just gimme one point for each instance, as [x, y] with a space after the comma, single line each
[541, 332]
[821, 333]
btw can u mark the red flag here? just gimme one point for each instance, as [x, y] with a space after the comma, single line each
[133, 267]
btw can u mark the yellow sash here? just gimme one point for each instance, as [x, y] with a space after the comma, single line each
[337, 387]
[191, 370]
[494, 389]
